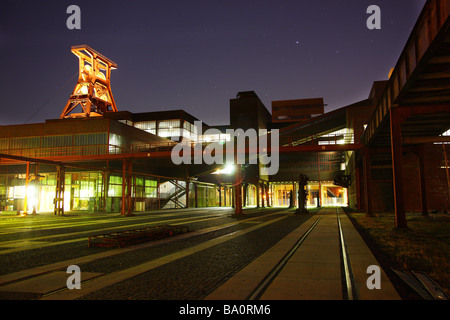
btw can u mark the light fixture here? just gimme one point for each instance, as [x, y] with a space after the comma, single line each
[228, 169]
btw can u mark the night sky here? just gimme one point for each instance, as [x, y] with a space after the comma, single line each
[196, 55]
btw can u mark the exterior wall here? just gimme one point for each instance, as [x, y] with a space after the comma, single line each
[436, 177]
[296, 110]
[84, 191]
[248, 112]
[382, 194]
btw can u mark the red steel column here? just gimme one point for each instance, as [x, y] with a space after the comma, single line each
[423, 187]
[262, 194]
[27, 179]
[257, 194]
[130, 185]
[124, 185]
[158, 193]
[268, 204]
[358, 189]
[397, 163]
[367, 183]
[187, 193]
[238, 190]
[195, 195]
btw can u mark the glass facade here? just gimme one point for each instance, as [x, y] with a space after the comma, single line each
[324, 193]
[56, 145]
[170, 128]
[190, 131]
[148, 126]
[84, 191]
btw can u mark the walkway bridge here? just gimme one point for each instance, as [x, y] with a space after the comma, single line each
[415, 106]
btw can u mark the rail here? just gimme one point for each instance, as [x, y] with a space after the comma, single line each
[350, 292]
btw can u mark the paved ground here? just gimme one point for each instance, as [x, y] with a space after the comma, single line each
[205, 263]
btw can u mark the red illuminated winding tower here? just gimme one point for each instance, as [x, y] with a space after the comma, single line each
[93, 90]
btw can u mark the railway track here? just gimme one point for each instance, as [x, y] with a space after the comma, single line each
[348, 289]
[315, 262]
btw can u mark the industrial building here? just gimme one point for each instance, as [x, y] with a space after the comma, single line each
[386, 153]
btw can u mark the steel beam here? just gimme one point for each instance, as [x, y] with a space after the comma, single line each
[396, 121]
[59, 196]
[127, 172]
[422, 176]
[27, 179]
[367, 182]
[238, 191]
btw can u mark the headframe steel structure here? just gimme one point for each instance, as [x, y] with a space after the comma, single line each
[93, 90]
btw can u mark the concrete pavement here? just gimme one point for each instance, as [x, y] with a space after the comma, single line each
[314, 271]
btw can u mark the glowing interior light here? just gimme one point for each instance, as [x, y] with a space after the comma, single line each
[228, 169]
[31, 197]
[84, 89]
[100, 75]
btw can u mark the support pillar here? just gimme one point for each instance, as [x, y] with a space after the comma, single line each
[423, 186]
[127, 170]
[448, 176]
[124, 186]
[319, 196]
[187, 193]
[158, 193]
[262, 195]
[257, 194]
[272, 198]
[196, 195]
[104, 191]
[367, 183]
[267, 195]
[294, 194]
[129, 182]
[302, 183]
[358, 189]
[176, 194]
[27, 179]
[224, 196]
[36, 191]
[238, 191]
[397, 163]
[59, 197]
[233, 196]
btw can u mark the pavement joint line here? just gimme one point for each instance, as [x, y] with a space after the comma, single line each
[49, 244]
[50, 221]
[122, 275]
[47, 218]
[334, 288]
[36, 271]
[5, 243]
[72, 223]
[243, 283]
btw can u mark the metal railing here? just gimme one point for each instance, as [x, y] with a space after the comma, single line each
[320, 139]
